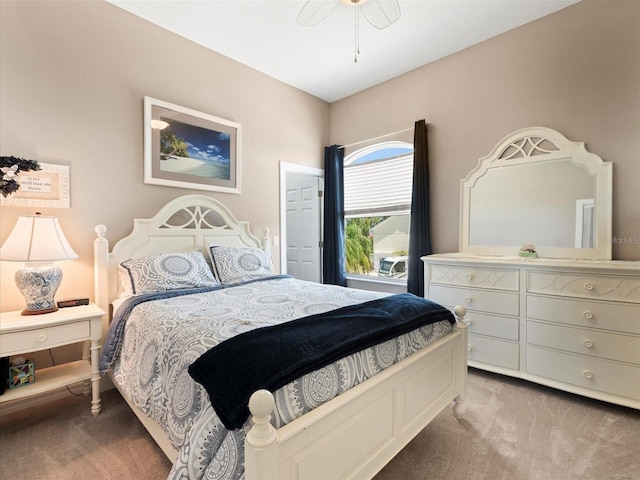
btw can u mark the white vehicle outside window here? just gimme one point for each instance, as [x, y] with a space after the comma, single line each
[394, 267]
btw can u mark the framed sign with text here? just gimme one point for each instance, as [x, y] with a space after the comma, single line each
[48, 187]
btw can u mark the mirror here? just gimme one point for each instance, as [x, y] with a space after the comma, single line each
[538, 188]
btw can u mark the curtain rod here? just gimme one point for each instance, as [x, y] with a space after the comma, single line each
[381, 136]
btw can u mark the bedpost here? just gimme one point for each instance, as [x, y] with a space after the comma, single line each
[260, 460]
[101, 271]
[266, 241]
[461, 326]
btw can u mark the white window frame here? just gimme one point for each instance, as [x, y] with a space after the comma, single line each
[371, 282]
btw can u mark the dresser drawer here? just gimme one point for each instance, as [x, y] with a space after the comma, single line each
[621, 317]
[494, 278]
[34, 340]
[493, 351]
[475, 299]
[588, 372]
[493, 325]
[612, 346]
[598, 287]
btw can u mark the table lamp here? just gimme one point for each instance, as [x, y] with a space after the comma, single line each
[37, 240]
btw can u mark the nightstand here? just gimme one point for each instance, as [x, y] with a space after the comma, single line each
[31, 333]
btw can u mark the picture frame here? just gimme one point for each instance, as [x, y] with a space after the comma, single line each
[186, 148]
[47, 187]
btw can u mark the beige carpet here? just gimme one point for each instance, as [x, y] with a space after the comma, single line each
[512, 430]
[516, 430]
[63, 441]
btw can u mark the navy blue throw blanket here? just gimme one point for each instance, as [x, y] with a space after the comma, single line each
[271, 357]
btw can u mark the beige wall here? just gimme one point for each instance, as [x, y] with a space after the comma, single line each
[577, 71]
[73, 77]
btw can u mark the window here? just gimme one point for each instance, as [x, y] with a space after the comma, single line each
[377, 186]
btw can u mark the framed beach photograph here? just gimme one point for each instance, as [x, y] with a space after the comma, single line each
[190, 149]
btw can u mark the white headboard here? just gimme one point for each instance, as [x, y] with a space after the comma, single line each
[187, 223]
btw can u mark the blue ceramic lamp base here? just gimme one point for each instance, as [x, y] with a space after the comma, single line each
[39, 284]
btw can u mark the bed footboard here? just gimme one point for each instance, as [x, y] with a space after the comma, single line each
[361, 430]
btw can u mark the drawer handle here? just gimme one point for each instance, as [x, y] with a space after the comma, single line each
[468, 347]
[468, 276]
[588, 286]
[588, 315]
[587, 374]
[467, 299]
[467, 321]
[588, 343]
[42, 338]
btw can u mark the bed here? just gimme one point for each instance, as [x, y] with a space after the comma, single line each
[345, 419]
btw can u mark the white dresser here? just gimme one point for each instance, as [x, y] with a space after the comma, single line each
[569, 324]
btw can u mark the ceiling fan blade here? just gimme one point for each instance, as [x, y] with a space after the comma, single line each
[314, 11]
[381, 13]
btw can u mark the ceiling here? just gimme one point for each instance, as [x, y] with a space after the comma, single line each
[264, 35]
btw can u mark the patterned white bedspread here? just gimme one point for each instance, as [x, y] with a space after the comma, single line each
[163, 337]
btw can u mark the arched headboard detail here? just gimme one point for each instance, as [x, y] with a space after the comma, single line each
[190, 222]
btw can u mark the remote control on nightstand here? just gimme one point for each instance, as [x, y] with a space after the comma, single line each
[73, 302]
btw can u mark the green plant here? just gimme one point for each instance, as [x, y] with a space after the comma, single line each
[359, 244]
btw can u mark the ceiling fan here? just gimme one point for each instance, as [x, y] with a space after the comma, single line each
[379, 13]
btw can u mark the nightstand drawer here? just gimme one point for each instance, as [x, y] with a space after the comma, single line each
[612, 346]
[40, 339]
[493, 278]
[621, 317]
[601, 375]
[475, 299]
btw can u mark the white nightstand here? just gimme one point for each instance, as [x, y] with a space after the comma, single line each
[31, 333]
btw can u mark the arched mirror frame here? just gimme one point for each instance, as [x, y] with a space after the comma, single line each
[541, 144]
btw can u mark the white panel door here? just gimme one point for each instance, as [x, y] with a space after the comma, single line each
[303, 226]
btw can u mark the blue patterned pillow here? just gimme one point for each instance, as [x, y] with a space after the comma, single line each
[239, 264]
[165, 271]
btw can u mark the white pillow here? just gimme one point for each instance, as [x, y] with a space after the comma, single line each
[165, 271]
[239, 264]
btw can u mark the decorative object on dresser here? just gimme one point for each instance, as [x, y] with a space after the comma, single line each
[37, 240]
[569, 319]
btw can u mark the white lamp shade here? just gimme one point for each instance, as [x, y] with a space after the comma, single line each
[36, 238]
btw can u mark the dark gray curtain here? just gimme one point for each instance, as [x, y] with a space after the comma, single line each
[419, 228]
[333, 255]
